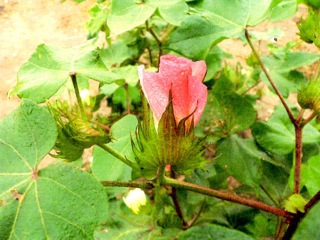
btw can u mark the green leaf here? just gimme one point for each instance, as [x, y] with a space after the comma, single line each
[281, 70]
[226, 112]
[173, 11]
[295, 203]
[218, 20]
[43, 211]
[48, 69]
[115, 54]
[98, 17]
[211, 231]
[26, 135]
[243, 162]
[277, 135]
[128, 14]
[310, 175]
[105, 166]
[35, 204]
[196, 31]
[309, 226]
[284, 10]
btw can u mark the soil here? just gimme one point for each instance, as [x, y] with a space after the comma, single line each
[25, 24]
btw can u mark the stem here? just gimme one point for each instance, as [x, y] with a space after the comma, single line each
[159, 43]
[195, 218]
[73, 76]
[122, 158]
[298, 159]
[176, 204]
[275, 88]
[227, 197]
[143, 185]
[314, 200]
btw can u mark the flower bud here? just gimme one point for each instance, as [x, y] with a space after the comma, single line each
[309, 96]
[135, 199]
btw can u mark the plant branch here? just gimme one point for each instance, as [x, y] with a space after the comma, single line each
[159, 43]
[175, 201]
[264, 69]
[122, 158]
[143, 185]
[298, 159]
[228, 197]
[195, 218]
[73, 76]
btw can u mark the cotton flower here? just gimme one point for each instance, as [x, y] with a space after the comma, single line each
[183, 78]
[135, 199]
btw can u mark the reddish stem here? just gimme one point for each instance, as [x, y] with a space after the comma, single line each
[298, 159]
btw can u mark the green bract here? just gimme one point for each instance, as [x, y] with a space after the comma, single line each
[74, 133]
[170, 144]
[309, 96]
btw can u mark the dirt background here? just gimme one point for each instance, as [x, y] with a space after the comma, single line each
[24, 24]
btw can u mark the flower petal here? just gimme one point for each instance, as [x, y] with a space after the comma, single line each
[154, 90]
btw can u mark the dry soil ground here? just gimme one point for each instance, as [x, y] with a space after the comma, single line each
[24, 24]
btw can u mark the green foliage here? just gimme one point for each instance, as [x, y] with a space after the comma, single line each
[277, 135]
[243, 162]
[309, 28]
[309, 175]
[214, 21]
[226, 112]
[107, 167]
[282, 68]
[309, 226]
[295, 203]
[36, 203]
[211, 231]
[48, 69]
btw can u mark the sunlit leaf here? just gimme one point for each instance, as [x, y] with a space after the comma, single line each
[214, 21]
[49, 68]
[107, 167]
[128, 14]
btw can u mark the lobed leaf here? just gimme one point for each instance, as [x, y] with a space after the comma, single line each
[36, 204]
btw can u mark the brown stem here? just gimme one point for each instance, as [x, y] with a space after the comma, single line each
[175, 201]
[159, 43]
[314, 200]
[143, 185]
[298, 159]
[275, 88]
[228, 197]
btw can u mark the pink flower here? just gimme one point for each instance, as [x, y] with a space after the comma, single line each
[184, 78]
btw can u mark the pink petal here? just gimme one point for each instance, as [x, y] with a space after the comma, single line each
[184, 78]
[155, 92]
